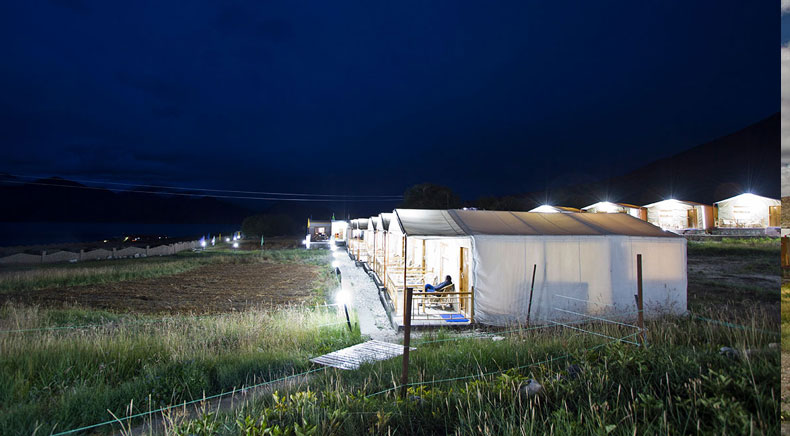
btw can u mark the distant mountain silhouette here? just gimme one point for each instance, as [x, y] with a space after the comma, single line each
[59, 200]
[744, 161]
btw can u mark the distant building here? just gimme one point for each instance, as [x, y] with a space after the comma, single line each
[340, 232]
[555, 209]
[678, 216]
[747, 211]
[609, 207]
[318, 231]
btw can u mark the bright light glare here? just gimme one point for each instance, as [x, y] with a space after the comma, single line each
[227, 239]
[343, 297]
[235, 245]
[203, 243]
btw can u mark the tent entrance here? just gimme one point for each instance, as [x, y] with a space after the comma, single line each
[692, 218]
[774, 216]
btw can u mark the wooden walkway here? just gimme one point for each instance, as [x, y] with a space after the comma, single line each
[352, 357]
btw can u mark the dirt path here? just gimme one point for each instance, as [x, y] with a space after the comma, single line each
[212, 288]
[373, 320]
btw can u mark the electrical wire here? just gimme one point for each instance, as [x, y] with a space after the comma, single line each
[184, 194]
[180, 188]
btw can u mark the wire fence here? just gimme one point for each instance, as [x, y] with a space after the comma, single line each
[515, 368]
[184, 404]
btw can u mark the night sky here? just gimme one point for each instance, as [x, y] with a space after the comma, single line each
[489, 98]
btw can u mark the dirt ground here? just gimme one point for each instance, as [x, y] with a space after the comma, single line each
[209, 289]
[732, 284]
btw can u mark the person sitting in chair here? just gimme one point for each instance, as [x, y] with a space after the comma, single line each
[431, 288]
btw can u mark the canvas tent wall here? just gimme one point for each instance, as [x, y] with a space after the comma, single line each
[587, 257]
[747, 211]
[609, 207]
[340, 231]
[382, 230]
[356, 243]
[370, 239]
[676, 215]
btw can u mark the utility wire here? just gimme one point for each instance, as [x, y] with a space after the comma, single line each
[180, 188]
[184, 194]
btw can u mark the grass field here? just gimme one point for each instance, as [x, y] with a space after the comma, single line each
[65, 378]
[679, 384]
[36, 277]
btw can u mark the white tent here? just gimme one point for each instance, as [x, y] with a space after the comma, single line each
[680, 215]
[586, 263]
[545, 208]
[609, 207]
[340, 233]
[747, 210]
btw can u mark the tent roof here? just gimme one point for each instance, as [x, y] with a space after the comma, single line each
[537, 224]
[689, 203]
[458, 222]
[749, 196]
[359, 224]
[376, 222]
[554, 209]
[626, 205]
[424, 222]
[386, 218]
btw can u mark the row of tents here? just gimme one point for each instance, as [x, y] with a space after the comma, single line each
[511, 267]
[745, 211]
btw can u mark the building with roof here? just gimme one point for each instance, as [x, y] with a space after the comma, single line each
[680, 216]
[582, 262]
[545, 208]
[609, 207]
[747, 211]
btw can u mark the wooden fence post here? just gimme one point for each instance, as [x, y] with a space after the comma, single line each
[531, 290]
[639, 299]
[404, 379]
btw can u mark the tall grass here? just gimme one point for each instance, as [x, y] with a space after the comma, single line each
[62, 379]
[679, 384]
[31, 278]
[786, 316]
[737, 247]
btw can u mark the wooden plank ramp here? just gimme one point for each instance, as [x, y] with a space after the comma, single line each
[351, 357]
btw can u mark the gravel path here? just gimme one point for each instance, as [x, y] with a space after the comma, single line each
[373, 320]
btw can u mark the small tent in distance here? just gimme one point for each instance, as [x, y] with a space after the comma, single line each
[747, 211]
[609, 207]
[680, 216]
[555, 209]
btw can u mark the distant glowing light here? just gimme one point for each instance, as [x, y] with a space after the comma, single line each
[544, 209]
[343, 297]
[228, 239]
[203, 243]
[235, 245]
